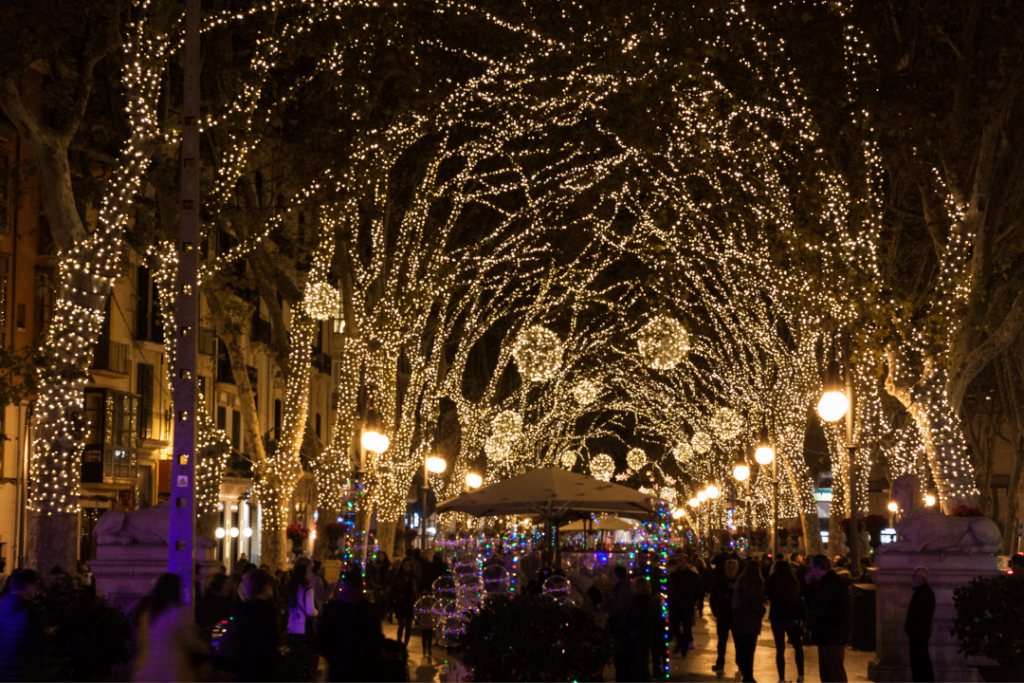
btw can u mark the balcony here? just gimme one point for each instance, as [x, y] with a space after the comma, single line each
[111, 357]
[261, 330]
[322, 362]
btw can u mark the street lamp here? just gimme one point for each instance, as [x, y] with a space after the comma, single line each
[834, 403]
[431, 465]
[436, 464]
[474, 480]
[374, 438]
[742, 474]
[929, 500]
[712, 491]
[694, 502]
[702, 496]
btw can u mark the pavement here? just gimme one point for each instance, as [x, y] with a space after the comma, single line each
[696, 666]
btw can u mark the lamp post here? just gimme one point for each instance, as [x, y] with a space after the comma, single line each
[375, 440]
[741, 473]
[695, 503]
[834, 404]
[765, 455]
[436, 465]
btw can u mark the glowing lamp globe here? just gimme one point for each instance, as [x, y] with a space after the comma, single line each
[438, 465]
[893, 507]
[234, 532]
[764, 454]
[702, 496]
[678, 513]
[247, 532]
[712, 491]
[929, 500]
[474, 480]
[220, 532]
[694, 502]
[833, 406]
[741, 473]
[375, 441]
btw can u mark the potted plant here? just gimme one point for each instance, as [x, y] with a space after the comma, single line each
[758, 537]
[334, 531]
[874, 524]
[989, 622]
[783, 537]
[297, 534]
[796, 533]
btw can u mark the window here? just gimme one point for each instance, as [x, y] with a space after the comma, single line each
[222, 418]
[236, 430]
[144, 388]
[149, 323]
[318, 425]
[277, 418]
[111, 437]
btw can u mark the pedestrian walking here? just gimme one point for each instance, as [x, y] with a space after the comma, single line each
[638, 631]
[251, 647]
[350, 633]
[22, 645]
[300, 600]
[829, 607]
[622, 594]
[404, 590]
[747, 613]
[684, 589]
[783, 593]
[427, 621]
[918, 627]
[167, 643]
[721, 608]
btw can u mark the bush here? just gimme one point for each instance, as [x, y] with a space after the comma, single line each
[90, 637]
[989, 619]
[534, 639]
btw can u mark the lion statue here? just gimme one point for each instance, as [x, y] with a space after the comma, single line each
[152, 525]
[923, 529]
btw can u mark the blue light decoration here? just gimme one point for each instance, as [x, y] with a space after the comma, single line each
[656, 543]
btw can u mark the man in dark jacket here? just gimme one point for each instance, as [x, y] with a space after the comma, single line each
[684, 589]
[918, 626]
[21, 636]
[829, 605]
[721, 608]
[351, 637]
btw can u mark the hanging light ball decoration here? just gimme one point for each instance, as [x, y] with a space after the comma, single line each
[701, 443]
[602, 466]
[683, 452]
[636, 458]
[505, 432]
[727, 424]
[496, 579]
[663, 342]
[322, 301]
[538, 354]
[568, 460]
[585, 392]
[558, 587]
[444, 589]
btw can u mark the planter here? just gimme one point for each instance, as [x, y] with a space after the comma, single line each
[999, 674]
[874, 538]
[332, 545]
[297, 546]
[783, 539]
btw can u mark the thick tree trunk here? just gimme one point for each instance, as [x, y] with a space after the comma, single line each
[52, 541]
[1012, 500]
[386, 537]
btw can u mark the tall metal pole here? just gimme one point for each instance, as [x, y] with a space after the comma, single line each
[181, 559]
[851, 449]
[423, 512]
[775, 505]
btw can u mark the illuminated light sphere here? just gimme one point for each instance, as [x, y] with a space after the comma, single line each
[602, 466]
[247, 532]
[929, 500]
[558, 587]
[683, 452]
[833, 406]
[220, 532]
[693, 502]
[322, 301]
[585, 392]
[505, 432]
[741, 473]
[474, 480]
[727, 424]
[893, 507]
[374, 439]
[436, 465]
[712, 491]
[496, 579]
[663, 342]
[702, 496]
[636, 458]
[538, 354]
[568, 460]
[234, 532]
[678, 513]
[701, 443]
[764, 455]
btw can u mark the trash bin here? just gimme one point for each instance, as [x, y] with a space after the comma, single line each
[862, 617]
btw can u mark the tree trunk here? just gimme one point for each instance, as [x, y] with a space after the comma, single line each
[386, 537]
[52, 541]
[1012, 500]
[273, 524]
[1009, 375]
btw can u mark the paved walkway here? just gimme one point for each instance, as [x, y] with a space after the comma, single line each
[695, 667]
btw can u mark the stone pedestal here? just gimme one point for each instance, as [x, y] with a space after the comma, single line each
[892, 578]
[332, 571]
[126, 573]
